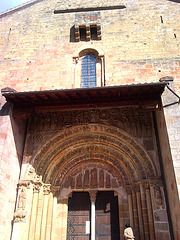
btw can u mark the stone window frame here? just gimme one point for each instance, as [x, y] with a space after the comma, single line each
[100, 66]
[86, 34]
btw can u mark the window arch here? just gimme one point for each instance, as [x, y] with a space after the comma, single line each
[88, 71]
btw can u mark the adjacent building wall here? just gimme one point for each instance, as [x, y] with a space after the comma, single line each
[11, 149]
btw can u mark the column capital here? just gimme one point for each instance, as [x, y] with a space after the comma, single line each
[24, 183]
[157, 182]
[93, 194]
[37, 187]
[47, 189]
[146, 185]
[136, 187]
[55, 190]
[129, 190]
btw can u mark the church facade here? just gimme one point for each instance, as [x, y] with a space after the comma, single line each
[89, 136]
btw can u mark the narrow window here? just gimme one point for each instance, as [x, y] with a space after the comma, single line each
[93, 30]
[85, 32]
[88, 71]
[82, 31]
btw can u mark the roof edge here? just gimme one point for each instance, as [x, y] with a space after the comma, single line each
[19, 7]
[13, 92]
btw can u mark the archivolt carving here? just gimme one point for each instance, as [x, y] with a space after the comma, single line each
[128, 170]
[93, 141]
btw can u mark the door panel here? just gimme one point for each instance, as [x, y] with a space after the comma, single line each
[107, 217]
[78, 214]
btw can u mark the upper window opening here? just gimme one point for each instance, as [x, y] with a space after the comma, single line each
[88, 71]
[93, 30]
[87, 32]
[82, 32]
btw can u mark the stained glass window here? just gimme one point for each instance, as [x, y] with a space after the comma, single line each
[88, 71]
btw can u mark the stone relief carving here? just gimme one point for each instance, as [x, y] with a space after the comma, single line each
[37, 187]
[46, 189]
[94, 133]
[22, 199]
[158, 194]
[20, 214]
[91, 175]
[158, 197]
[31, 173]
[137, 122]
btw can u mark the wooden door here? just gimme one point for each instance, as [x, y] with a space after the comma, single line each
[78, 216]
[107, 217]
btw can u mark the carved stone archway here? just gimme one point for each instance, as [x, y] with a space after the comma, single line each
[92, 157]
[95, 141]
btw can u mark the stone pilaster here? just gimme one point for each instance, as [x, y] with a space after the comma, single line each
[46, 192]
[149, 210]
[144, 212]
[36, 190]
[139, 208]
[61, 220]
[130, 204]
[160, 211]
[135, 212]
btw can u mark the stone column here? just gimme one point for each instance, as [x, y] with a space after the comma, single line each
[36, 189]
[75, 60]
[39, 215]
[61, 220]
[139, 208]
[144, 212]
[55, 192]
[136, 223]
[49, 217]
[130, 204]
[149, 210]
[93, 216]
[54, 216]
[123, 213]
[46, 191]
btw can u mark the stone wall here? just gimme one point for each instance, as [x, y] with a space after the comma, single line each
[36, 52]
[11, 150]
[139, 43]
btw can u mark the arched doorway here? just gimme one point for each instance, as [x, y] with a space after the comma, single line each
[102, 164]
[80, 221]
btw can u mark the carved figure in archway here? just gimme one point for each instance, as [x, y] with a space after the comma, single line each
[22, 200]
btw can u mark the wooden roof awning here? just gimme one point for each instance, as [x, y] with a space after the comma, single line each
[135, 94]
